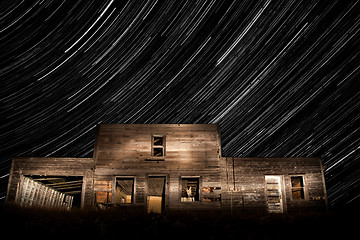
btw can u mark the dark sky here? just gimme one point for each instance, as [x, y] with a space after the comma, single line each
[281, 78]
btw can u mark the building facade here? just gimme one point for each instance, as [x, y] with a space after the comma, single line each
[168, 168]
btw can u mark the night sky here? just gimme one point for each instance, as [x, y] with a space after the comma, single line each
[281, 78]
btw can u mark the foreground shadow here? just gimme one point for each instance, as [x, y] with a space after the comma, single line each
[119, 224]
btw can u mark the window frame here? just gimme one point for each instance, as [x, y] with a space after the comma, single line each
[133, 190]
[303, 187]
[163, 146]
[198, 190]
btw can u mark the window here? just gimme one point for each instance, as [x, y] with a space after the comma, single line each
[189, 189]
[124, 190]
[158, 146]
[297, 187]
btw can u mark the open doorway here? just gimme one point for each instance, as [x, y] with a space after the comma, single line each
[274, 198]
[156, 194]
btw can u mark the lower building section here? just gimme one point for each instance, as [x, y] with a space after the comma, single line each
[275, 185]
[239, 185]
[51, 182]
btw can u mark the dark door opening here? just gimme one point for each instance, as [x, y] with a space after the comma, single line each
[156, 194]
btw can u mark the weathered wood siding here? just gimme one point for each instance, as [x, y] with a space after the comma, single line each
[244, 180]
[191, 150]
[53, 167]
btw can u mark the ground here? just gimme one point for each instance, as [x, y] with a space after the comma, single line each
[116, 224]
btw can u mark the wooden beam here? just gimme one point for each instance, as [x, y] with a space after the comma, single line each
[67, 187]
[63, 183]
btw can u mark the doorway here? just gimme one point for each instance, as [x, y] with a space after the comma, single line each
[274, 198]
[156, 194]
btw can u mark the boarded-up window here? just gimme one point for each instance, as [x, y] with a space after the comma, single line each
[103, 197]
[124, 190]
[189, 189]
[297, 187]
[158, 145]
[103, 190]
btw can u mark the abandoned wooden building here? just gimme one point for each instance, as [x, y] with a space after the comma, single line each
[168, 167]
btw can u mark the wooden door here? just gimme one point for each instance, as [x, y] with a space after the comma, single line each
[274, 198]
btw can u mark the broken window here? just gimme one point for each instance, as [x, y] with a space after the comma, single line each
[189, 189]
[297, 187]
[158, 146]
[211, 194]
[124, 190]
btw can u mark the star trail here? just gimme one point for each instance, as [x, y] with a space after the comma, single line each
[281, 78]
